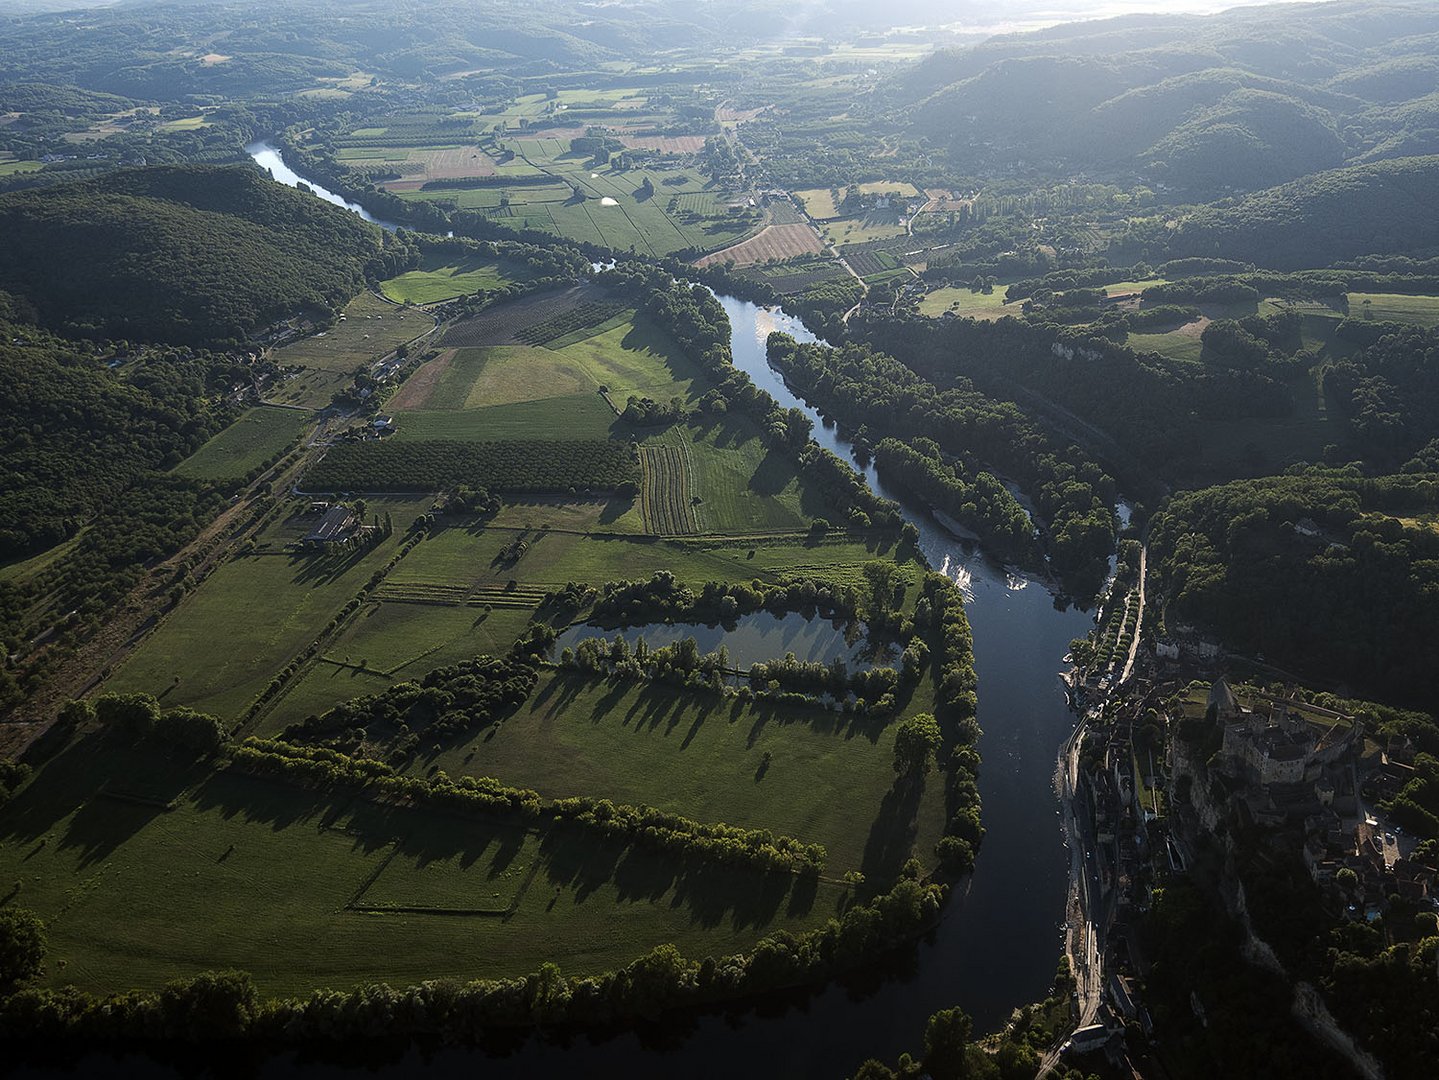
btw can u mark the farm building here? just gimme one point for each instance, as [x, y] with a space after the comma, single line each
[336, 526]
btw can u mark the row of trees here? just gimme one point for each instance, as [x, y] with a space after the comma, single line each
[226, 1005]
[549, 466]
[673, 834]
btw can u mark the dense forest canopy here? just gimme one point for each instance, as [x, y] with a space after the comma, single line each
[182, 254]
[1323, 571]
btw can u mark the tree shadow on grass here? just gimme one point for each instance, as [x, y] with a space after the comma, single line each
[776, 471]
[891, 835]
[725, 430]
[710, 893]
[112, 789]
[316, 570]
[266, 801]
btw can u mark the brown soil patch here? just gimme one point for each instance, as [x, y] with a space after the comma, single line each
[771, 242]
[665, 144]
[415, 394]
[726, 115]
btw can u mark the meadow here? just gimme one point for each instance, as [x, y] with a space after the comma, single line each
[513, 391]
[970, 305]
[444, 277]
[249, 443]
[1394, 307]
[711, 759]
[219, 649]
[213, 869]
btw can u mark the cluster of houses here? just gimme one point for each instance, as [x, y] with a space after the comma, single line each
[1310, 767]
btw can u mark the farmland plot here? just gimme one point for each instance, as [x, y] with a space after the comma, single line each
[772, 242]
[665, 499]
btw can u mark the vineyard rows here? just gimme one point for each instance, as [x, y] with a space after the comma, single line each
[665, 493]
[591, 313]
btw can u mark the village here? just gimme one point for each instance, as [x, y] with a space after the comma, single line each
[1178, 767]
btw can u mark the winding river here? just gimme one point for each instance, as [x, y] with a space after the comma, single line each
[998, 944]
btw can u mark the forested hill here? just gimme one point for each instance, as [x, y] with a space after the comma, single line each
[185, 254]
[1207, 106]
[1340, 214]
[1326, 572]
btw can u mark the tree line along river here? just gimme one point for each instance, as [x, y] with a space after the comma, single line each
[999, 942]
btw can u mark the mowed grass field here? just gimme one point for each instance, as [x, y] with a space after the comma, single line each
[969, 305]
[256, 875]
[521, 391]
[390, 642]
[443, 277]
[247, 444]
[1394, 307]
[703, 756]
[248, 619]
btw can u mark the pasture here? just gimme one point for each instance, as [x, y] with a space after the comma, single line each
[703, 756]
[305, 891]
[507, 391]
[370, 330]
[9, 166]
[250, 618]
[656, 211]
[256, 438]
[395, 640]
[819, 203]
[873, 225]
[1395, 307]
[444, 277]
[326, 362]
[970, 305]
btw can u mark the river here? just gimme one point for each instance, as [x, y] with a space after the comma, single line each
[998, 944]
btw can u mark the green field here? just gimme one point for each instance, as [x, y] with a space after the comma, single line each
[577, 416]
[513, 391]
[970, 305]
[245, 622]
[443, 277]
[701, 756]
[745, 487]
[1394, 307]
[685, 210]
[875, 225]
[818, 203]
[1181, 344]
[391, 642]
[11, 168]
[274, 880]
[247, 444]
